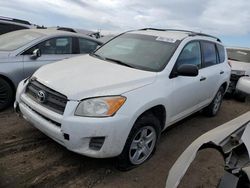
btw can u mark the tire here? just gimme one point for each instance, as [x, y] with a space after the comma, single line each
[213, 108]
[141, 142]
[6, 94]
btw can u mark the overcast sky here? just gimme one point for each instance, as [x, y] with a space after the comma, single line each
[228, 19]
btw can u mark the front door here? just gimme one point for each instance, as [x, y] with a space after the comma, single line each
[52, 50]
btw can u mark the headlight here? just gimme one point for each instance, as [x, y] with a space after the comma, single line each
[238, 72]
[100, 106]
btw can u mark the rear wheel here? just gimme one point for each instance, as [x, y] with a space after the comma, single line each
[141, 142]
[6, 94]
[215, 105]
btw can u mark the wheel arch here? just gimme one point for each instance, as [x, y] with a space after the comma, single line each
[159, 111]
[224, 85]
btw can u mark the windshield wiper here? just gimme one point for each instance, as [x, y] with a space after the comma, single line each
[119, 62]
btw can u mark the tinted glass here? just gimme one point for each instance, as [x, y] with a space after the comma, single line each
[14, 40]
[87, 46]
[239, 55]
[221, 51]
[140, 51]
[191, 54]
[5, 28]
[209, 54]
[60, 45]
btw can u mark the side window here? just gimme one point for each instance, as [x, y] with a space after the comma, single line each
[209, 54]
[60, 45]
[191, 54]
[87, 46]
[221, 52]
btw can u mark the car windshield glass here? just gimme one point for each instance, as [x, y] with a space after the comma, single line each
[239, 55]
[139, 51]
[14, 40]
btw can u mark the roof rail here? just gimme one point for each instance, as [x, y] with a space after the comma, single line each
[15, 20]
[190, 33]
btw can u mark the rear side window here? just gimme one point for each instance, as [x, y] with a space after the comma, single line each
[87, 46]
[5, 28]
[209, 54]
[221, 52]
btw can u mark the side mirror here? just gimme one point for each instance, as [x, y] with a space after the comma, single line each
[188, 70]
[36, 53]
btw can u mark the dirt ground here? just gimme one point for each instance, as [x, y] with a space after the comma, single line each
[28, 158]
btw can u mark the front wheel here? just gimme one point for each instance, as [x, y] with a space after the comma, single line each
[213, 108]
[6, 94]
[141, 142]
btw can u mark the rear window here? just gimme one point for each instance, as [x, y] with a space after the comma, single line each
[239, 55]
[6, 28]
[221, 52]
[14, 40]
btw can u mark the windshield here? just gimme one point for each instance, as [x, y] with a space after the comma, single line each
[239, 55]
[14, 40]
[144, 52]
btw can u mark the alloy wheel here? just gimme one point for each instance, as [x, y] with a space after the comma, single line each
[142, 145]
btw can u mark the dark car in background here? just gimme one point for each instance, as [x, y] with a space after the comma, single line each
[11, 24]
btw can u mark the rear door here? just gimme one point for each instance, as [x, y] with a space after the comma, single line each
[210, 72]
[52, 50]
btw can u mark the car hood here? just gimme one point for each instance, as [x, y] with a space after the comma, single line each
[217, 137]
[240, 66]
[85, 76]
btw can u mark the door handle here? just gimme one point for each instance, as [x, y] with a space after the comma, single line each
[221, 72]
[203, 78]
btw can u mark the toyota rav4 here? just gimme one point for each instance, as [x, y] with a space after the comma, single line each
[117, 100]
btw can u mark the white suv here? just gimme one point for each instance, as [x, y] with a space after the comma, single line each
[117, 100]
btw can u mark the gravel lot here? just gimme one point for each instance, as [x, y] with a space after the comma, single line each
[28, 158]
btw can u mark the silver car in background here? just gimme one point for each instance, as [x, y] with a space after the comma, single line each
[23, 52]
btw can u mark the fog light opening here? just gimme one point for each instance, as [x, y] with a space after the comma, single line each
[96, 143]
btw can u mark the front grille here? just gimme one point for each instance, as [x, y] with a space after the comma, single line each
[42, 116]
[53, 100]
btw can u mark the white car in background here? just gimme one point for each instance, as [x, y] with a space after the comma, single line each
[117, 100]
[239, 59]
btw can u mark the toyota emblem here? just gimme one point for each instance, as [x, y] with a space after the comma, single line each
[41, 96]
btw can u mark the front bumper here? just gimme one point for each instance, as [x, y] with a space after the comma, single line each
[74, 132]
